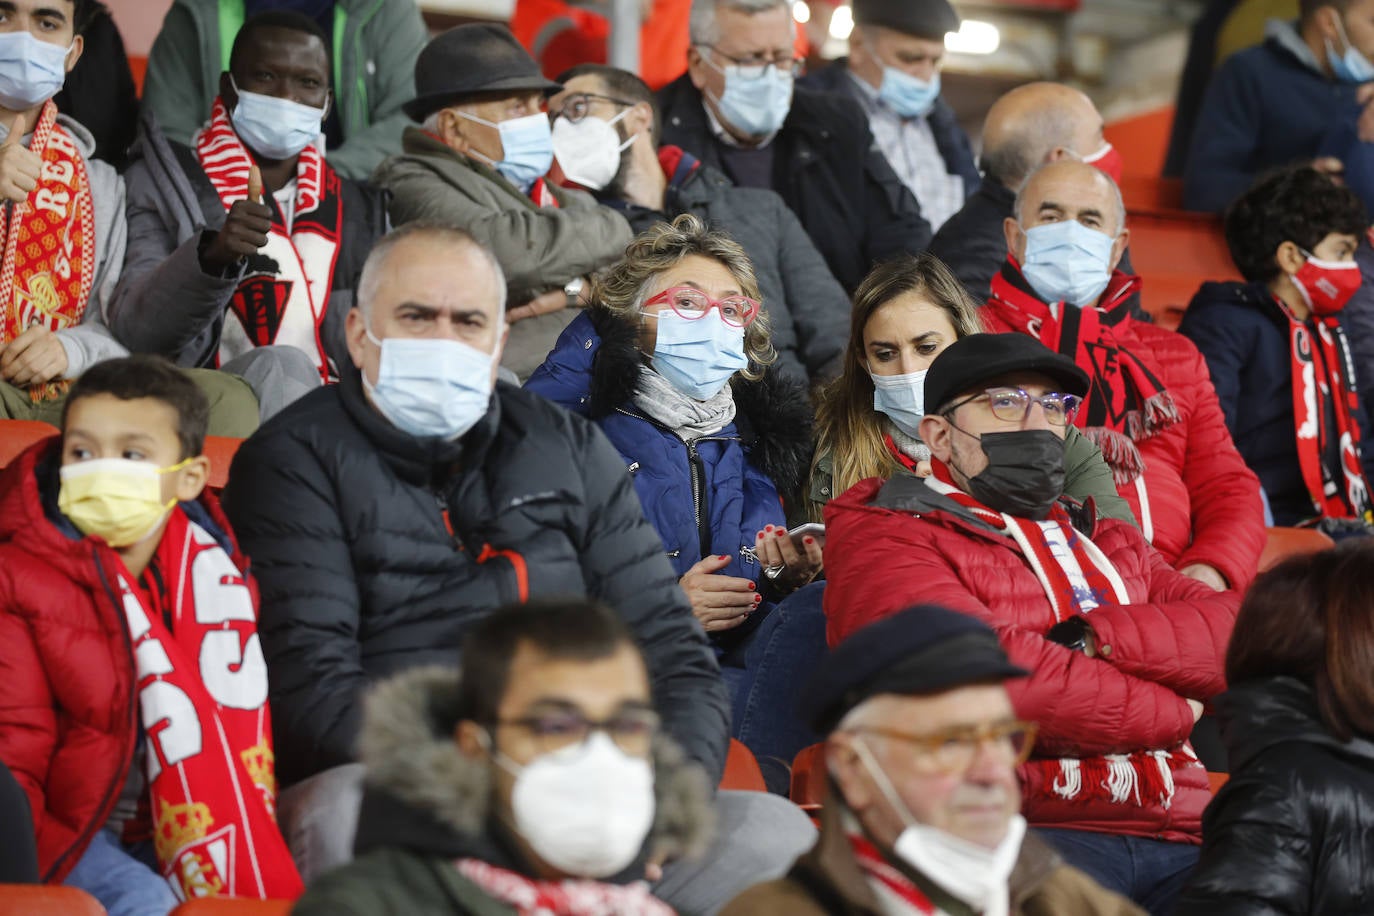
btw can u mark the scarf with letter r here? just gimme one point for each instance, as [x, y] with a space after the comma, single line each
[48, 266]
[202, 693]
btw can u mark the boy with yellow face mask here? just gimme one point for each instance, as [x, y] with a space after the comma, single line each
[133, 691]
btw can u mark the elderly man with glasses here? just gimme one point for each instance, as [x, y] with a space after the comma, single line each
[922, 810]
[737, 110]
[1123, 651]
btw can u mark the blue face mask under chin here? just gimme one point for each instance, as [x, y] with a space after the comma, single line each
[756, 107]
[698, 356]
[907, 95]
[1352, 66]
[1067, 262]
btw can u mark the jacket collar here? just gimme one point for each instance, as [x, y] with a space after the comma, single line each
[803, 127]
[1256, 715]
[420, 462]
[418, 142]
[909, 494]
[1287, 37]
[423, 794]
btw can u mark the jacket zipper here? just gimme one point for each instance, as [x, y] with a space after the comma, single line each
[122, 775]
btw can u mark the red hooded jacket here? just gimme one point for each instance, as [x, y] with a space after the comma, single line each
[1203, 503]
[68, 713]
[895, 544]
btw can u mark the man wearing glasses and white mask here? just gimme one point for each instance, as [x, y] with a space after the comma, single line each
[737, 109]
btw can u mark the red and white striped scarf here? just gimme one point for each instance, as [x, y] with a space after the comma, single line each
[573, 897]
[895, 890]
[283, 302]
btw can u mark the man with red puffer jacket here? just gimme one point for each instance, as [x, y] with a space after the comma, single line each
[1123, 650]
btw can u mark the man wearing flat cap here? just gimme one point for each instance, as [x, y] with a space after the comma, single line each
[479, 163]
[893, 72]
[922, 810]
[1122, 650]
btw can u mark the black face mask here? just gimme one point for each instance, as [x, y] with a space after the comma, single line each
[1025, 473]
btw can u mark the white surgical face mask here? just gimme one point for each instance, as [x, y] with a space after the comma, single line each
[974, 874]
[431, 387]
[902, 399]
[31, 70]
[589, 150]
[272, 127]
[586, 809]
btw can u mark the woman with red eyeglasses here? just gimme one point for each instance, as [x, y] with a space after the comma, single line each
[674, 363]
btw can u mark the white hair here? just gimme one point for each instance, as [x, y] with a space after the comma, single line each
[702, 25]
[459, 239]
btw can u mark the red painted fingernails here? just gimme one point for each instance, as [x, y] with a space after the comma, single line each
[752, 585]
[809, 540]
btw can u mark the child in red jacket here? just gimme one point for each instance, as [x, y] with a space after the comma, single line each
[133, 692]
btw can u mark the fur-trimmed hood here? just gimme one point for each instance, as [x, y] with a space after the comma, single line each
[773, 414]
[423, 794]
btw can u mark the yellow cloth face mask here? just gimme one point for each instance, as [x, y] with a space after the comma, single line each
[117, 499]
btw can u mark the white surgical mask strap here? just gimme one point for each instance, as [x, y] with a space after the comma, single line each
[884, 784]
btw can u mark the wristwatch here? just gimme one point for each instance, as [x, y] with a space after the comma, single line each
[1071, 633]
[573, 290]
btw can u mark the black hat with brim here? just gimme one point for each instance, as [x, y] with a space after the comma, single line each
[980, 358]
[477, 59]
[929, 19]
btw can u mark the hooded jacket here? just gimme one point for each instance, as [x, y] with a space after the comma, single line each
[1243, 335]
[426, 805]
[891, 545]
[1200, 503]
[828, 881]
[827, 168]
[68, 707]
[710, 496]
[375, 550]
[375, 44]
[1289, 832]
[808, 310]
[166, 303]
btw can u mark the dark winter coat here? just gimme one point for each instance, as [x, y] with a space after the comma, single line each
[827, 168]
[710, 496]
[426, 805]
[1244, 337]
[808, 310]
[1289, 833]
[376, 550]
[68, 706]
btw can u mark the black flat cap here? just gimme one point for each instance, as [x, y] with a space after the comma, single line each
[470, 59]
[979, 358]
[922, 650]
[923, 18]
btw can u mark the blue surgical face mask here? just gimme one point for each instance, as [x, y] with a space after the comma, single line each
[31, 70]
[907, 95]
[526, 147]
[698, 356]
[274, 128]
[1352, 66]
[902, 399]
[431, 387]
[757, 106]
[1067, 262]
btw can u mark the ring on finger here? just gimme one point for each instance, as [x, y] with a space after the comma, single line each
[773, 572]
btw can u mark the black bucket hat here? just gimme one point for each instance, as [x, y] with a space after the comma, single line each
[470, 59]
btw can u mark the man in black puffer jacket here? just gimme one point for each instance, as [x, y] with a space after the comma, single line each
[386, 514]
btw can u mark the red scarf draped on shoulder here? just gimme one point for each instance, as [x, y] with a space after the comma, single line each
[49, 262]
[283, 302]
[1126, 401]
[878, 870]
[202, 692]
[1322, 370]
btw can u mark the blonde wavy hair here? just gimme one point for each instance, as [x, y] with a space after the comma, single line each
[848, 428]
[623, 289]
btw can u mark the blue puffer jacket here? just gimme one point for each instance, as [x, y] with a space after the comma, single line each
[709, 496]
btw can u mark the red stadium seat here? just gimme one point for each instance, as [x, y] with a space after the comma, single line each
[224, 906]
[17, 435]
[1216, 780]
[1283, 543]
[47, 900]
[1175, 253]
[742, 770]
[220, 450]
[808, 778]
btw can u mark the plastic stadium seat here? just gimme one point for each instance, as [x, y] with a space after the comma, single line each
[808, 778]
[742, 770]
[18, 435]
[223, 906]
[1217, 780]
[47, 900]
[1283, 543]
[220, 450]
[1175, 253]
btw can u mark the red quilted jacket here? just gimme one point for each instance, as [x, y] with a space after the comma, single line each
[889, 546]
[67, 708]
[1202, 502]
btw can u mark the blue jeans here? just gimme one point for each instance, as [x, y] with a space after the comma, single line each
[123, 878]
[766, 673]
[1150, 872]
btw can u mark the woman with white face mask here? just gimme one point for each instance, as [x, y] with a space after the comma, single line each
[673, 362]
[906, 312]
